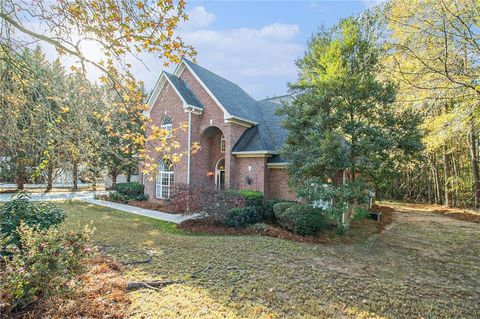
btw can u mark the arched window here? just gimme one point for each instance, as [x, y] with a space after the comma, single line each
[166, 124]
[222, 144]
[164, 179]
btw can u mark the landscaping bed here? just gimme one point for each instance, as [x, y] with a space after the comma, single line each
[360, 231]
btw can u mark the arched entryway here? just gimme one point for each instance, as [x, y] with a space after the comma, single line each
[208, 165]
[220, 174]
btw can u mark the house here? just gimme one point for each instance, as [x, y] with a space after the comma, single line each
[240, 137]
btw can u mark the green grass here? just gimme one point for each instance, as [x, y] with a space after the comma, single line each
[421, 267]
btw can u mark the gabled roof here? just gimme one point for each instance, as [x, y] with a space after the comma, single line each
[182, 88]
[267, 135]
[233, 98]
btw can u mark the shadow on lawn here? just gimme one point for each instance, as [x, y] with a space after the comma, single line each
[425, 266]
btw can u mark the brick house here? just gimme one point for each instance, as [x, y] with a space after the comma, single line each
[240, 137]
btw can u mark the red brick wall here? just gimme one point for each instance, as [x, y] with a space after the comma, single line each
[255, 169]
[273, 182]
[212, 116]
[278, 185]
[168, 103]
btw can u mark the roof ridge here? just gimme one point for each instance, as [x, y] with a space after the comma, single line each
[225, 79]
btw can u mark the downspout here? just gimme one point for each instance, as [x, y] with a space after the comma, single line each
[189, 145]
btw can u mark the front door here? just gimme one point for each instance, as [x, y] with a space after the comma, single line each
[220, 174]
[220, 180]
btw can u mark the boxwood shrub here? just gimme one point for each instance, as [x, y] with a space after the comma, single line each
[301, 219]
[253, 198]
[130, 191]
[242, 217]
[281, 207]
[268, 212]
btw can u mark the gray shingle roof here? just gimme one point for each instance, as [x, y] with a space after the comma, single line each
[268, 135]
[184, 90]
[236, 101]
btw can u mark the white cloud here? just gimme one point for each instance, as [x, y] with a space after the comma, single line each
[260, 60]
[198, 18]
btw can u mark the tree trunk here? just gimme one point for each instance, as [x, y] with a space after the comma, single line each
[447, 175]
[75, 175]
[114, 174]
[129, 174]
[20, 176]
[475, 170]
[50, 169]
[436, 179]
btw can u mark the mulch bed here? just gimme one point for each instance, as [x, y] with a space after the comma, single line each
[200, 227]
[143, 204]
[273, 230]
[153, 206]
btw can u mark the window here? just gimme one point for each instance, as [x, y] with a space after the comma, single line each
[164, 179]
[166, 125]
[222, 144]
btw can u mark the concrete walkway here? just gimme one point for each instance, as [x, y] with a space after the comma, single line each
[89, 197]
[56, 196]
[173, 218]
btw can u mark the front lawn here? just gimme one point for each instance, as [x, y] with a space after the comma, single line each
[422, 265]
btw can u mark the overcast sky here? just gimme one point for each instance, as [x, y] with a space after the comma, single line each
[252, 43]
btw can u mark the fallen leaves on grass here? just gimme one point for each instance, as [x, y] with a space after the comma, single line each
[101, 295]
[457, 213]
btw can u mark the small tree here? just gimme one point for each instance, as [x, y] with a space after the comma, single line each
[343, 130]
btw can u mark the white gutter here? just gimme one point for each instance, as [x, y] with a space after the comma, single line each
[189, 144]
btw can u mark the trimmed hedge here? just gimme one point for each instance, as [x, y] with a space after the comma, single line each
[301, 219]
[281, 207]
[129, 191]
[253, 198]
[242, 217]
[268, 212]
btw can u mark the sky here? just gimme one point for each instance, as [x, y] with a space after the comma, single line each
[253, 43]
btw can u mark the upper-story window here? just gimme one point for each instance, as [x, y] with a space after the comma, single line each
[222, 144]
[166, 125]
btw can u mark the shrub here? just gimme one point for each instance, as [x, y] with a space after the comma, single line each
[46, 264]
[130, 191]
[268, 212]
[35, 214]
[186, 198]
[301, 219]
[211, 205]
[242, 217]
[253, 198]
[281, 207]
[117, 197]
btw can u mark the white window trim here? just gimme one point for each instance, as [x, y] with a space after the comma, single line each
[167, 127]
[222, 144]
[159, 186]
